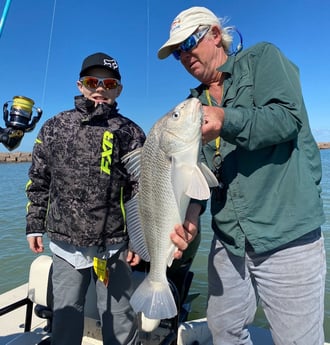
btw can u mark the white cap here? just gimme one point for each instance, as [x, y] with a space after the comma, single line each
[184, 25]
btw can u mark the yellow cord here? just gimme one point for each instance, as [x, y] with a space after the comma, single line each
[218, 139]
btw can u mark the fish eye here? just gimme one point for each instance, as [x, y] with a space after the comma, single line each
[175, 115]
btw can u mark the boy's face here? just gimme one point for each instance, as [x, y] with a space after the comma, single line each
[105, 91]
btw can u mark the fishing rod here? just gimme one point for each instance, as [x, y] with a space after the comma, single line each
[4, 15]
[19, 119]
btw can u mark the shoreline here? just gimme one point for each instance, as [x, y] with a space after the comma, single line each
[323, 145]
[15, 157]
[23, 157]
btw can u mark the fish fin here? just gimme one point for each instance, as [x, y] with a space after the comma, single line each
[154, 299]
[192, 180]
[149, 325]
[179, 177]
[198, 187]
[132, 161]
[208, 174]
[170, 262]
[170, 255]
[134, 229]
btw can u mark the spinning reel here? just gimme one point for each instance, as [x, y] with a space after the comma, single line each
[18, 121]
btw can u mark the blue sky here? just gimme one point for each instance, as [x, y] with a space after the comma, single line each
[41, 57]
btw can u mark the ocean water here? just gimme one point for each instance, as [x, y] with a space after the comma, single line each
[15, 256]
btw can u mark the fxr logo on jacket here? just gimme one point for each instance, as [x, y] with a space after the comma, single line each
[107, 146]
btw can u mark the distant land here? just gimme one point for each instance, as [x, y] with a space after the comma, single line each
[323, 145]
[15, 157]
[21, 157]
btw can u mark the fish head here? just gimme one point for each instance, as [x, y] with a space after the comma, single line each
[180, 128]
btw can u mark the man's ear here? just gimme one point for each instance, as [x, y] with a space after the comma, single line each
[216, 33]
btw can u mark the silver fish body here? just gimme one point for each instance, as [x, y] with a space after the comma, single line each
[170, 174]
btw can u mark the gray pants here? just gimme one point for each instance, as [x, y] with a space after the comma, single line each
[290, 283]
[119, 322]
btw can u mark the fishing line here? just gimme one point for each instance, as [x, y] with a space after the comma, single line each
[148, 48]
[48, 56]
[4, 15]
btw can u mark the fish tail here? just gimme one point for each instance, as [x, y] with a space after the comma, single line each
[154, 299]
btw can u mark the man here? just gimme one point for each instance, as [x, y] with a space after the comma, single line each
[77, 189]
[267, 210]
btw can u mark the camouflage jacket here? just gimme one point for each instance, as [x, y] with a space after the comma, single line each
[78, 184]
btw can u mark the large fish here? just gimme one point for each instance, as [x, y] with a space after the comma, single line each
[170, 174]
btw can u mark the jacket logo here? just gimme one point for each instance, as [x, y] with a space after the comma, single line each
[106, 157]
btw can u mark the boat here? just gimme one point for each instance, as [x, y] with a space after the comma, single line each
[25, 317]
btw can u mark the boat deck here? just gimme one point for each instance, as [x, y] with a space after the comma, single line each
[12, 328]
[12, 324]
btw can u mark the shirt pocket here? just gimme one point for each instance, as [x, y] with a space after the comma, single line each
[240, 92]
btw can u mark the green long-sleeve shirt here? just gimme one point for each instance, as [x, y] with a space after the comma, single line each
[271, 167]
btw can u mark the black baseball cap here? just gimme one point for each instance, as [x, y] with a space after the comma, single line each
[100, 60]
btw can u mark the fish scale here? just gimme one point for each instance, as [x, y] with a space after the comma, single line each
[160, 180]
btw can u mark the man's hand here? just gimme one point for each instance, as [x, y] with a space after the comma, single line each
[182, 235]
[36, 244]
[213, 121]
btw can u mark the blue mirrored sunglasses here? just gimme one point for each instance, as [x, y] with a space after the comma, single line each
[190, 43]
